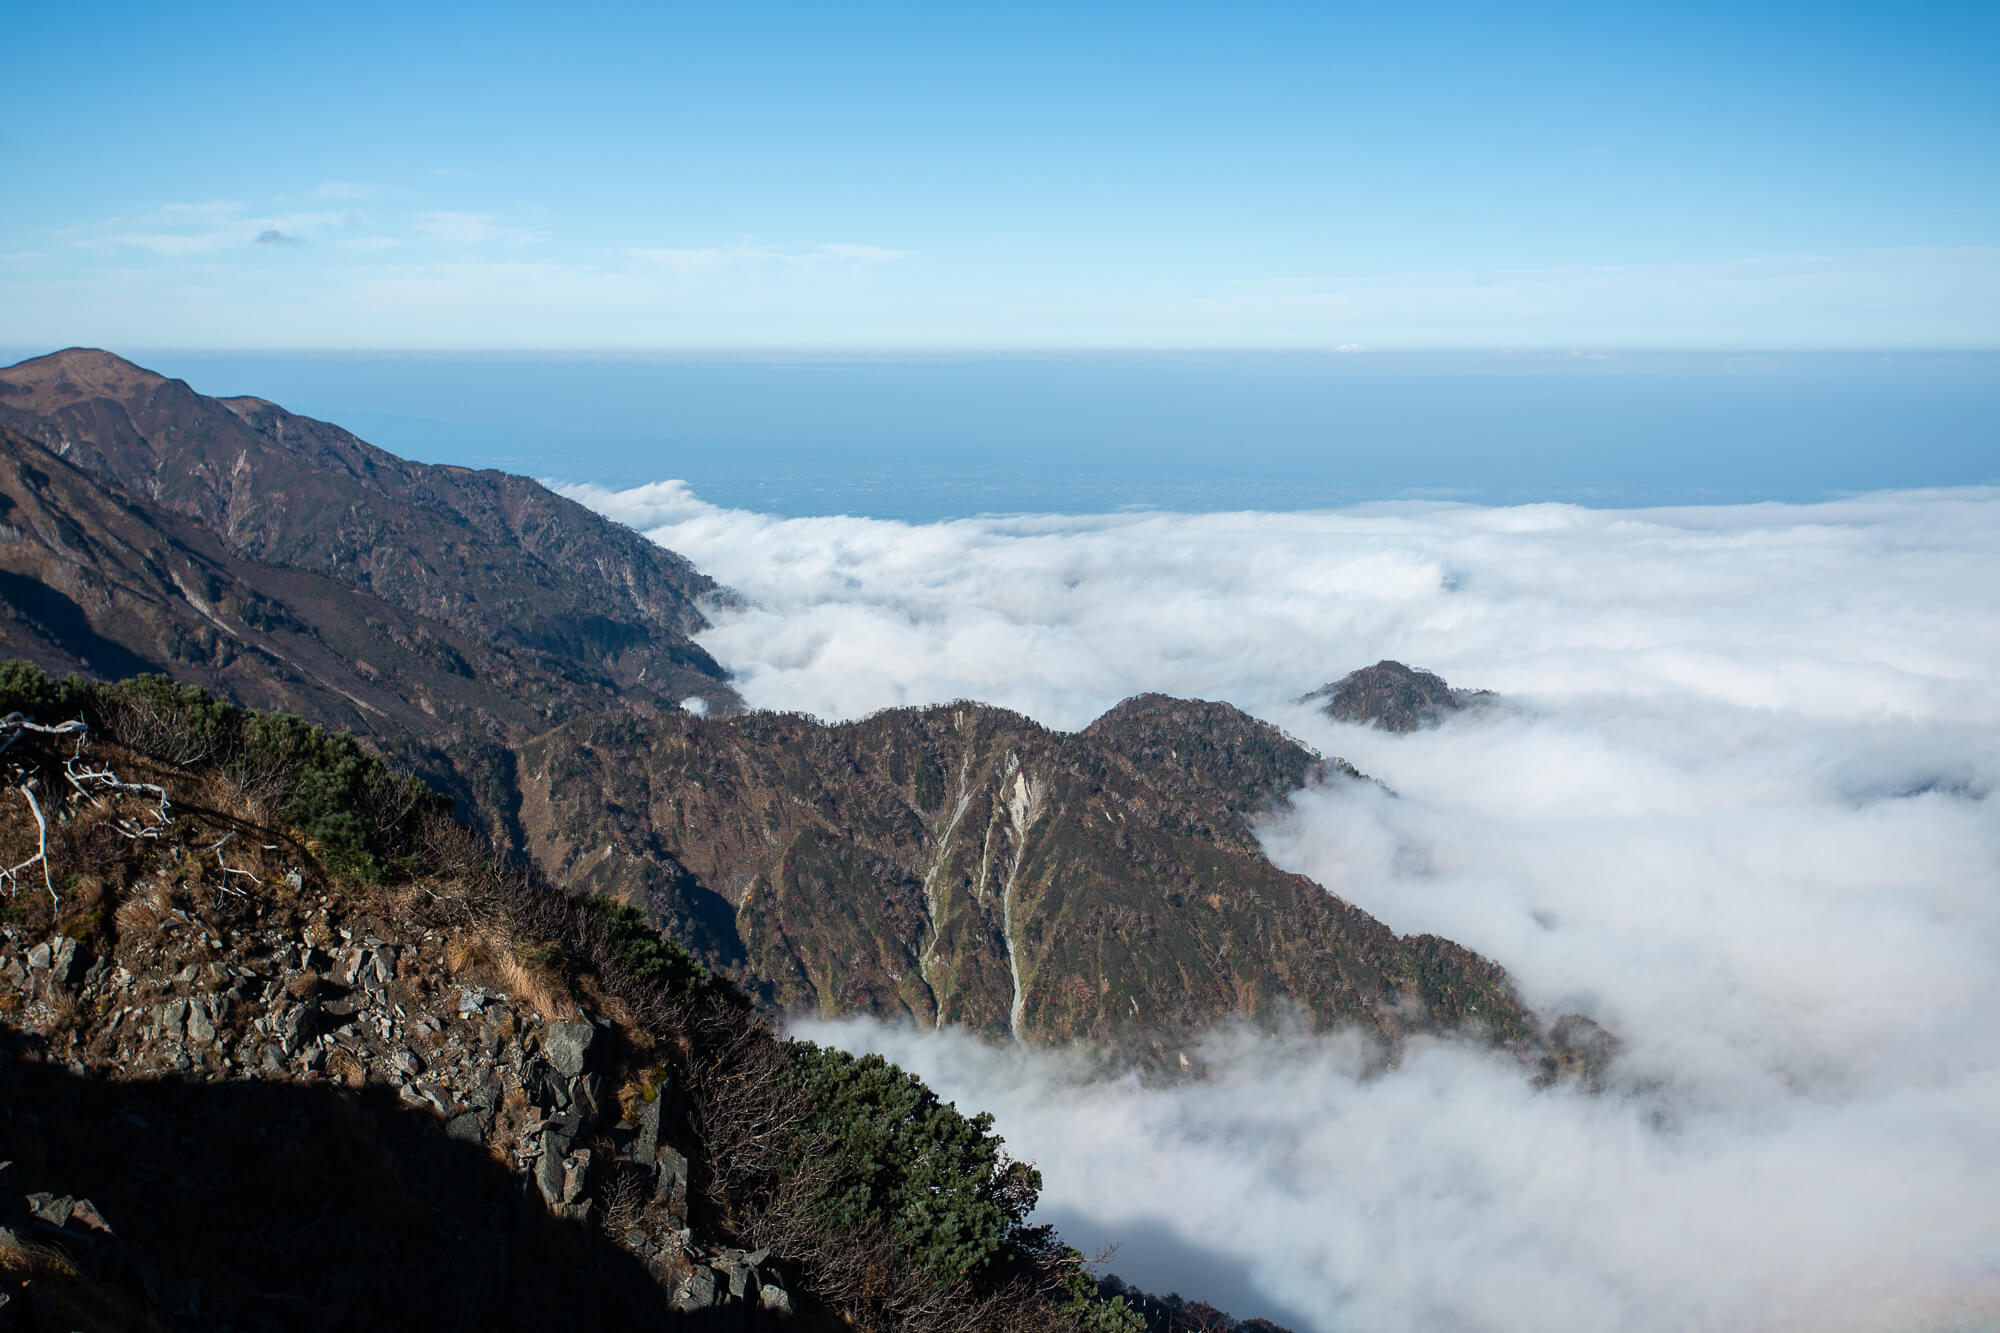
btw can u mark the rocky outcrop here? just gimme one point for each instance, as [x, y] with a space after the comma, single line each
[232, 1081]
[1394, 697]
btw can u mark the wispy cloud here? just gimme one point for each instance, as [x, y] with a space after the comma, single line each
[457, 228]
[867, 254]
[178, 230]
[701, 259]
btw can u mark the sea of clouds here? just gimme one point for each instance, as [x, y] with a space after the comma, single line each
[1736, 805]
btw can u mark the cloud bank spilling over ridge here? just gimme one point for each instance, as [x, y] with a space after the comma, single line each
[1737, 806]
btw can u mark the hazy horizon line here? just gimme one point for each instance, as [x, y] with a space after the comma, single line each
[1594, 353]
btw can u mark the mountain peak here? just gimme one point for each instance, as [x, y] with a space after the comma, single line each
[44, 383]
[1393, 697]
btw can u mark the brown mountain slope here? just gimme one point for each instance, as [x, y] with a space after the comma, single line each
[963, 865]
[99, 582]
[485, 553]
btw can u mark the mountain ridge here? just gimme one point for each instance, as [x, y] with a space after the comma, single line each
[957, 864]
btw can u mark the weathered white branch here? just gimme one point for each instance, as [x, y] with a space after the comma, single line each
[42, 855]
[227, 871]
[14, 724]
[100, 780]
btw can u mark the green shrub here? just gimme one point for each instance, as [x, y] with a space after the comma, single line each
[334, 792]
[937, 1179]
[161, 717]
[27, 689]
[641, 952]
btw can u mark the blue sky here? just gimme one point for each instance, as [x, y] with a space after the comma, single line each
[1799, 176]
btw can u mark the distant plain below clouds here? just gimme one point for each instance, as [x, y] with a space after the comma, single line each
[1736, 804]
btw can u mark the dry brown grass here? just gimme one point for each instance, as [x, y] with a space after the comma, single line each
[512, 965]
[464, 952]
[533, 986]
[144, 911]
[32, 1261]
[55, 1014]
[82, 1304]
[344, 1065]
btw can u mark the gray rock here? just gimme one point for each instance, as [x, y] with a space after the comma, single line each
[671, 1189]
[648, 1143]
[576, 1176]
[465, 1128]
[54, 1209]
[409, 1062]
[586, 1093]
[62, 960]
[84, 1211]
[38, 958]
[200, 1027]
[173, 1019]
[567, 1046]
[774, 1299]
[739, 1280]
[697, 1290]
[549, 1175]
[543, 1085]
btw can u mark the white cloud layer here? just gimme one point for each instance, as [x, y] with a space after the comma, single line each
[1737, 807]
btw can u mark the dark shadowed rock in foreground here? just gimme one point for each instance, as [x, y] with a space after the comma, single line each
[1394, 697]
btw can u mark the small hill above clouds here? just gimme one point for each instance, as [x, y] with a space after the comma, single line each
[1394, 697]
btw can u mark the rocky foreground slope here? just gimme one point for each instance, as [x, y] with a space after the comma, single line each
[282, 1046]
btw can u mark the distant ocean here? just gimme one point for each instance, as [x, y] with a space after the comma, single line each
[924, 437]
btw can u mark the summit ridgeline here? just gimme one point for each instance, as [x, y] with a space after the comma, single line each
[528, 658]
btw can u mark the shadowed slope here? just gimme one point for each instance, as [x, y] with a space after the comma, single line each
[483, 552]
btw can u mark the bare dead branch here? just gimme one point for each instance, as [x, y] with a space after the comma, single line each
[41, 855]
[15, 724]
